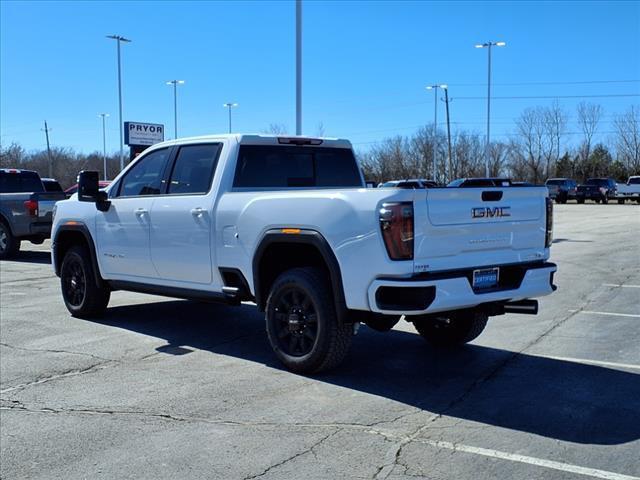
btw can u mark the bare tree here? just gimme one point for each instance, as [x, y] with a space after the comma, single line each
[555, 119]
[276, 129]
[320, 129]
[589, 115]
[627, 138]
[532, 149]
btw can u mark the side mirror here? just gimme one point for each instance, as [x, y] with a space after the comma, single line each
[89, 190]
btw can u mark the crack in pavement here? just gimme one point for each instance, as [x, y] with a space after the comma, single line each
[69, 373]
[293, 457]
[56, 351]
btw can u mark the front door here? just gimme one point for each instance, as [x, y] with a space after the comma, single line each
[123, 232]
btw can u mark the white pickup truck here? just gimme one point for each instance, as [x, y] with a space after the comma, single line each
[286, 222]
[629, 190]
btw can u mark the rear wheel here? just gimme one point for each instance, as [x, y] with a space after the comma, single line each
[82, 296]
[605, 199]
[302, 324]
[9, 245]
[453, 329]
[621, 201]
[580, 200]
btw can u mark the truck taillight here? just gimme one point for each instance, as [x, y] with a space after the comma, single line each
[32, 207]
[396, 223]
[549, 224]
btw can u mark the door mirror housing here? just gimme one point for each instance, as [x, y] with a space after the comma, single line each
[89, 190]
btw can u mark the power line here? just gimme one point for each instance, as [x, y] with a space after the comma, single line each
[552, 96]
[514, 84]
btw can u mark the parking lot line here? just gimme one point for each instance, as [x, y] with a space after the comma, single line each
[620, 285]
[589, 362]
[540, 462]
[610, 314]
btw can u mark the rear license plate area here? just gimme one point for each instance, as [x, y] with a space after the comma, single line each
[485, 278]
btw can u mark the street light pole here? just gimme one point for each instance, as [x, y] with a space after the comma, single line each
[175, 84]
[298, 67]
[435, 124]
[119, 39]
[446, 100]
[230, 105]
[104, 143]
[488, 46]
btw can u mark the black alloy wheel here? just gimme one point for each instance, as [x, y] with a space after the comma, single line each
[297, 322]
[74, 282]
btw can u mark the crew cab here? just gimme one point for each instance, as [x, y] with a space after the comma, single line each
[25, 209]
[287, 223]
[597, 189]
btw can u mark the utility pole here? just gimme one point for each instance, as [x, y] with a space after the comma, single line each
[46, 132]
[298, 67]
[104, 144]
[175, 84]
[435, 125]
[487, 150]
[119, 39]
[446, 101]
[230, 105]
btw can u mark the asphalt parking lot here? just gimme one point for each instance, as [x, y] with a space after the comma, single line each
[163, 388]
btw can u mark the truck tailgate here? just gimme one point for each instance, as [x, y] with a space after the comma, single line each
[467, 227]
[46, 202]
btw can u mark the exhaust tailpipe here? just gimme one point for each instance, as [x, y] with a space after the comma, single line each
[528, 307]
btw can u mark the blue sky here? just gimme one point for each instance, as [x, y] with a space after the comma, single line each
[365, 65]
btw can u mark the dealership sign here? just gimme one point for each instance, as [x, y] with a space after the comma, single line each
[136, 133]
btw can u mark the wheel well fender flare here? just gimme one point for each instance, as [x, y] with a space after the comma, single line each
[58, 242]
[305, 237]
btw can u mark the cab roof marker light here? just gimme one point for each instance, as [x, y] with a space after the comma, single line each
[291, 231]
[299, 141]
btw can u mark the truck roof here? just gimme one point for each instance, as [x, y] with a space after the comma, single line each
[263, 139]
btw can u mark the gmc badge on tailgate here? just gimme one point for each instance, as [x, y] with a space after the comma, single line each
[490, 212]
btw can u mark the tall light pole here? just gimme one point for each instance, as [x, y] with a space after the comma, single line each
[298, 67]
[119, 39]
[435, 123]
[230, 106]
[488, 46]
[104, 143]
[175, 84]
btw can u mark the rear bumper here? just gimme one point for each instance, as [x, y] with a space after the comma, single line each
[447, 291]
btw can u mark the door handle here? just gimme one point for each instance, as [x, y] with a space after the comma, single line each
[198, 212]
[141, 211]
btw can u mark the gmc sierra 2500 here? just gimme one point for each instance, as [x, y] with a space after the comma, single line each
[287, 222]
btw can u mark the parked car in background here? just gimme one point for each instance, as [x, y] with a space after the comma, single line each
[26, 209]
[597, 189]
[51, 185]
[629, 190]
[102, 184]
[409, 183]
[481, 182]
[562, 189]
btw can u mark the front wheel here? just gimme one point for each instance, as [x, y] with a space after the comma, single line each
[82, 296]
[9, 245]
[580, 200]
[453, 329]
[302, 325]
[621, 201]
[605, 199]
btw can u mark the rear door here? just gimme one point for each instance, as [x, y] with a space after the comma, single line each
[465, 227]
[182, 220]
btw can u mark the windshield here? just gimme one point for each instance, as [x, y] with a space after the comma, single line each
[634, 181]
[555, 182]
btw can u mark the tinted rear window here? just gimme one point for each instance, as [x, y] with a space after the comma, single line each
[597, 181]
[20, 182]
[285, 167]
[634, 181]
[52, 186]
[556, 182]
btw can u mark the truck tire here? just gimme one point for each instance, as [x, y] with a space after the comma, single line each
[302, 324]
[605, 199]
[82, 297]
[580, 200]
[621, 201]
[9, 245]
[455, 329]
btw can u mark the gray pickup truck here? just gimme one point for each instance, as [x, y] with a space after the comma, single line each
[26, 209]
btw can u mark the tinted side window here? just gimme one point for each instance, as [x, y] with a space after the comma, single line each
[193, 170]
[282, 167]
[145, 177]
